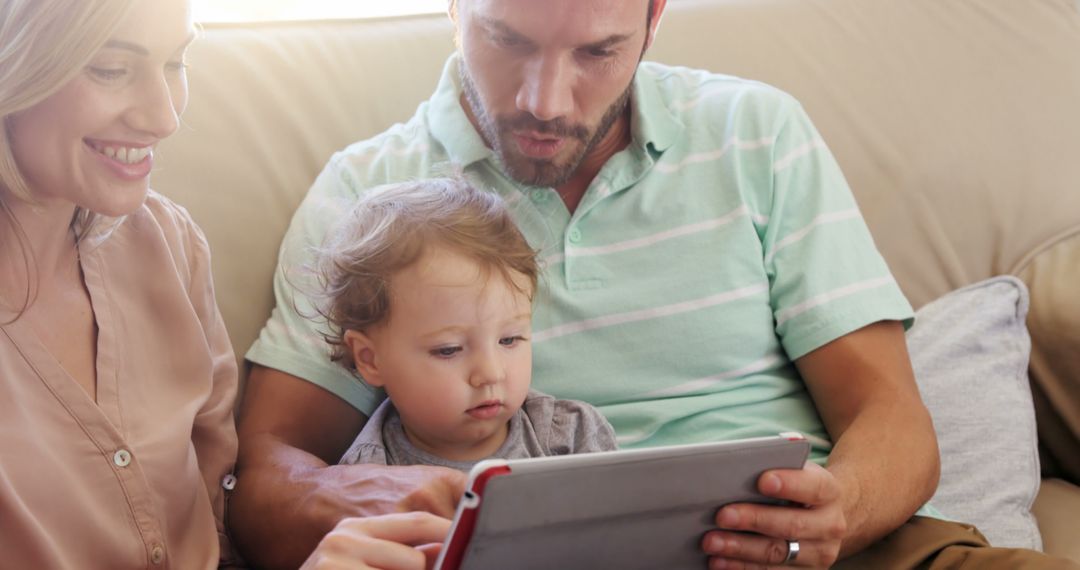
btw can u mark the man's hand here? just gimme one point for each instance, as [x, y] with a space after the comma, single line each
[366, 490]
[816, 519]
[389, 542]
[290, 494]
[864, 390]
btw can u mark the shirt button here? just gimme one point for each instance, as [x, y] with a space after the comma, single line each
[540, 195]
[157, 554]
[228, 482]
[122, 458]
[575, 235]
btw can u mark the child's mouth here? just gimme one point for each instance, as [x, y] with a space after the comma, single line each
[486, 410]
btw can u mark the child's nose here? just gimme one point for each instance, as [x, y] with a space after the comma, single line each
[486, 370]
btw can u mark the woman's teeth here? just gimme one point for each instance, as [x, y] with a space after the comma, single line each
[125, 154]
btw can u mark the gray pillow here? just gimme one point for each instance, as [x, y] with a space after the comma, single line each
[970, 351]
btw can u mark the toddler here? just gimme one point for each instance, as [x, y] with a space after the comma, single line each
[428, 291]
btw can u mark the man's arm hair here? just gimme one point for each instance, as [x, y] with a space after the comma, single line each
[290, 492]
[864, 389]
[290, 430]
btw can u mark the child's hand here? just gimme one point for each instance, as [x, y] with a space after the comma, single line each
[404, 541]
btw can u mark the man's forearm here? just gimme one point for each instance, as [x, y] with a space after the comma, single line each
[279, 512]
[286, 500]
[888, 465]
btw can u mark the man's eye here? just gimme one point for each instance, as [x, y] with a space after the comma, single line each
[107, 73]
[508, 42]
[446, 351]
[600, 53]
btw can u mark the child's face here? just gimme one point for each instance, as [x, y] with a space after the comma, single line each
[454, 355]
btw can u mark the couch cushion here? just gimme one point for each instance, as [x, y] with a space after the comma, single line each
[269, 104]
[1056, 508]
[970, 353]
[954, 122]
[1052, 276]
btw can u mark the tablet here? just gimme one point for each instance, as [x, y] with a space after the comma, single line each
[642, 508]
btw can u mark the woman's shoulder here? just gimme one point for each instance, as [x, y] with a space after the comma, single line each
[168, 215]
[161, 226]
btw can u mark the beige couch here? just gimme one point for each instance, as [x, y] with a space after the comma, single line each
[957, 124]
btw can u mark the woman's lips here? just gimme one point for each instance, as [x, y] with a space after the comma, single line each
[129, 164]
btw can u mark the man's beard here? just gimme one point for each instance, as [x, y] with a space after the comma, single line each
[497, 131]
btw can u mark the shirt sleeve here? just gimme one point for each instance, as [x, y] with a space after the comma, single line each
[577, 427]
[368, 446]
[826, 276]
[293, 340]
[213, 434]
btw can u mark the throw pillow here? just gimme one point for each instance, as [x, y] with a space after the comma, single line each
[970, 352]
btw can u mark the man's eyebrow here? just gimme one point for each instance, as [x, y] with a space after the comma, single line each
[609, 41]
[498, 26]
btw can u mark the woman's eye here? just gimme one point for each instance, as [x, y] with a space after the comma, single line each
[108, 73]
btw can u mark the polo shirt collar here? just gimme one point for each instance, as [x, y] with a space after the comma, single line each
[448, 122]
[652, 124]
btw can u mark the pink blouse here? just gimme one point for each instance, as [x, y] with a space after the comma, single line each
[135, 479]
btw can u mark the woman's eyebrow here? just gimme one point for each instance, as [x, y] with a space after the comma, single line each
[140, 49]
[120, 44]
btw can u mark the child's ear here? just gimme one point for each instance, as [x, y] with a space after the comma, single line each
[362, 349]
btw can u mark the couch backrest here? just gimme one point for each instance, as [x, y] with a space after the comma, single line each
[957, 123]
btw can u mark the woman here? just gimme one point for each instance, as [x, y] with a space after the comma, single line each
[116, 424]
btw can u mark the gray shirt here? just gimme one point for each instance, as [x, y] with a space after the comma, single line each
[543, 426]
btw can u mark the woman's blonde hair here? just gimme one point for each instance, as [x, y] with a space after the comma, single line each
[391, 227]
[44, 44]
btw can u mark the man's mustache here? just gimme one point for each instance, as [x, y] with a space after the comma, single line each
[556, 127]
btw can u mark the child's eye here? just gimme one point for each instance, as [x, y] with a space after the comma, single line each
[511, 340]
[445, 351]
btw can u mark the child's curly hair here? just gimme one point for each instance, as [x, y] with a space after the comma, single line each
[391, 227]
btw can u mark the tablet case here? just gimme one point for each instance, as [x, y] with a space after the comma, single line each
[643, 508]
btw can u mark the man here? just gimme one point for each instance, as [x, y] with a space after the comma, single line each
[709, 277]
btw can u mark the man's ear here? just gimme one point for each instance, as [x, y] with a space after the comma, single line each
[654, 21]
[362, 349]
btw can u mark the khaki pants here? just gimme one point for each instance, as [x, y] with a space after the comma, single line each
[933, 544]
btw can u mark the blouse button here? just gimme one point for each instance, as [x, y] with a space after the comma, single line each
[157, 554]
[122, 458]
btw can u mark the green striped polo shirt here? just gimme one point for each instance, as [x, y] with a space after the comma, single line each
[722, 244]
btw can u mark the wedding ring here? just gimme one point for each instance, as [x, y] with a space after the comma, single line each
[792, 551]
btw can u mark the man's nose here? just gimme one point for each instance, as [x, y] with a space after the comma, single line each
[547, 88]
